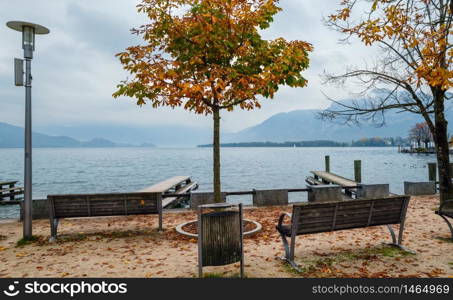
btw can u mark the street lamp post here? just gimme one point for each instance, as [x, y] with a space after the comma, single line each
[28, 44]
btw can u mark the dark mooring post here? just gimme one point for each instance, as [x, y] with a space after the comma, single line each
[327, 163]
[432, 171]
[358, 170]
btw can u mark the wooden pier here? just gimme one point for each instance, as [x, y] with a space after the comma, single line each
[420, 150]
[175, 185]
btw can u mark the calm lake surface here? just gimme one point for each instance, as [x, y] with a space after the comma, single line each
[91, 170]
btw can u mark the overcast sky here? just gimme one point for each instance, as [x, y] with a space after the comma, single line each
[75, 71]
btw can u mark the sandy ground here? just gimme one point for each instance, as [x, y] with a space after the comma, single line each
[132, 247]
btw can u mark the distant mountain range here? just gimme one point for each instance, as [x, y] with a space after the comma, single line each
[13, 136]
[305, 125]
[297, 125]
[159, 135]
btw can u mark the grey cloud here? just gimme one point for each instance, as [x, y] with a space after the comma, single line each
[100, 29]
[75, 71]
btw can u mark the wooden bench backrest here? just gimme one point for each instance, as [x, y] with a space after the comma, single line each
[338, 215]
[88, 205]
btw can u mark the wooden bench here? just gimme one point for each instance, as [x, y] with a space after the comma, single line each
[97, 205]
[446, 211]
[310, 218]
[10, 191]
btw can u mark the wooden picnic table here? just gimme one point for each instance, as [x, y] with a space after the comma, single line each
[10, 191]
[166, 185]
[174, 185]
[328, 177]
[10, 183]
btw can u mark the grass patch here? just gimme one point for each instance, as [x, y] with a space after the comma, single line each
[26, 241]
[220, 275]
[81, 236]
[94, 236]
[443, 239]
[313, 266]
[389, 251]
[289, 269]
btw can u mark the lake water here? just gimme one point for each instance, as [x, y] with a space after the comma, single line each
[91, 170]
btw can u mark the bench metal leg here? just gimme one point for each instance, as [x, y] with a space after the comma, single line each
[53, 229]
[449, 225]
[160, 221]
[289, 252]
[392, 233]
[395, 242]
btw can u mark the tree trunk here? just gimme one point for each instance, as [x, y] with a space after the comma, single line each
[442, 147]
[216, 153]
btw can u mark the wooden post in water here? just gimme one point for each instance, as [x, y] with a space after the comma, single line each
[327, 163]
[432, 171]
[358, 170]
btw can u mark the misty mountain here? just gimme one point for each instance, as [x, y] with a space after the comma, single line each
[13, 137]
[162, 136]
[303, 125]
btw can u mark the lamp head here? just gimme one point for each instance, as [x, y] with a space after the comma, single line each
[28, 34]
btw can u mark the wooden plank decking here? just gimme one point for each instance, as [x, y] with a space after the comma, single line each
[332, 178]
[168, 184]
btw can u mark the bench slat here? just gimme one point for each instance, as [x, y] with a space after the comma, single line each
[328, 218]
[327, 227]
[339, 221]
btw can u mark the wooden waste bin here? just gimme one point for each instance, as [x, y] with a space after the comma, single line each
[220, 236]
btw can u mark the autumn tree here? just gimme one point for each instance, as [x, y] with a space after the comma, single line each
[413, 65]
[208, 56]
[415, 135]
[421, 133]
[427, 136]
